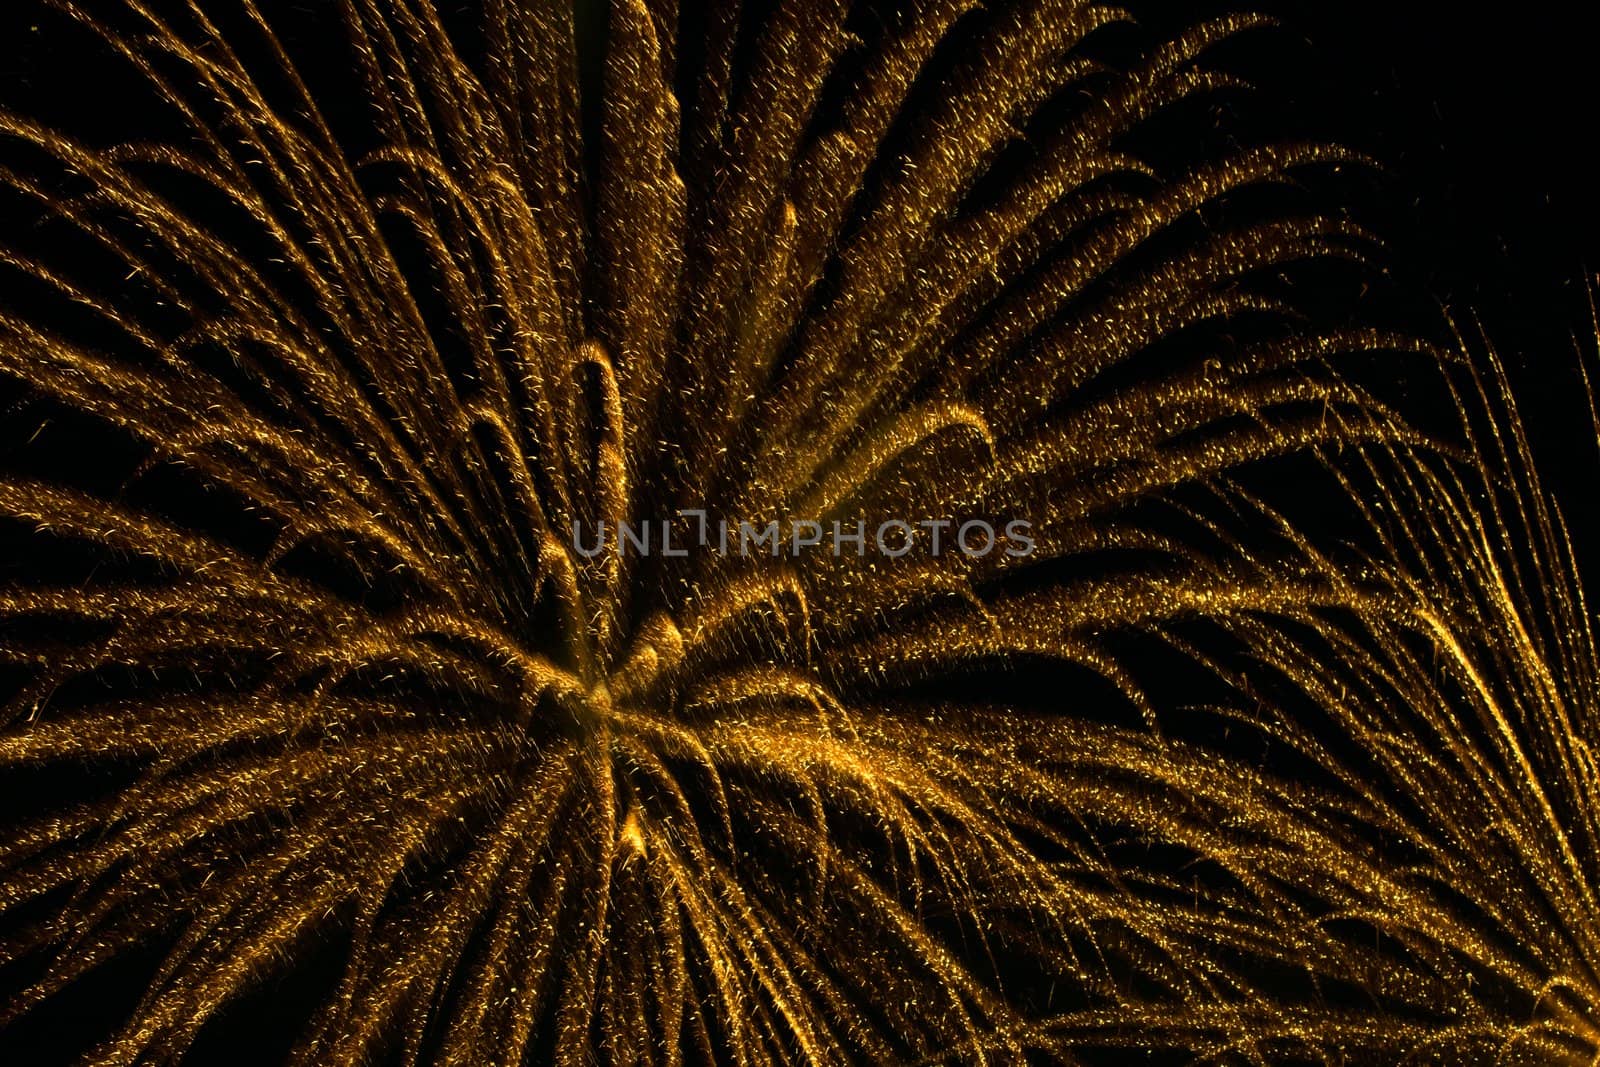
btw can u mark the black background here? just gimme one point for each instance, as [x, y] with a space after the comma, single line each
[1485, 119]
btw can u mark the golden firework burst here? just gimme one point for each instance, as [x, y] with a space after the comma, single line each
[424, 684]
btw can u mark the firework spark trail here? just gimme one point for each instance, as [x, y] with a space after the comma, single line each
[631, 809]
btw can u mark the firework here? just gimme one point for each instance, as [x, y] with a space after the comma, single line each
[543, 797]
